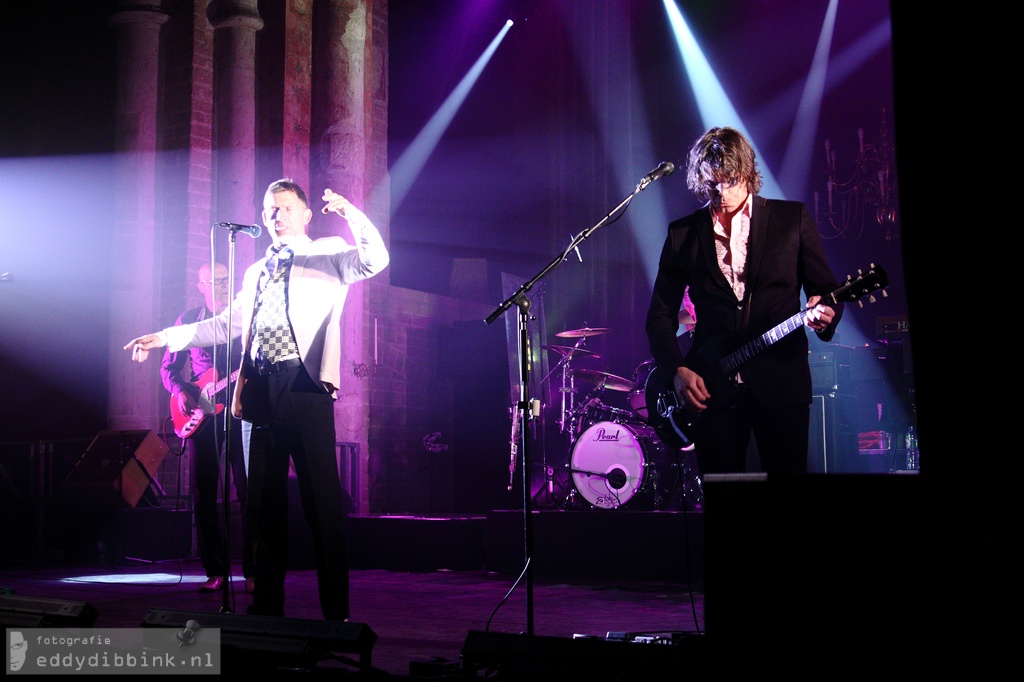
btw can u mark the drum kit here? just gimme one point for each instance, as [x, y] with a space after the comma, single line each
[616, 457]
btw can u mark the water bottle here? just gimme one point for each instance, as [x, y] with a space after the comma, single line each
[910, 443]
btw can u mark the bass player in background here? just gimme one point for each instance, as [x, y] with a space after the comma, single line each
[746, 260]
[199, 392]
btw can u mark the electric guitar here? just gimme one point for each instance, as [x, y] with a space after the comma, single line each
[187, 424]
[674, 422]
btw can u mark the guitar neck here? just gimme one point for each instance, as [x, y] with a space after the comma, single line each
[732, 362]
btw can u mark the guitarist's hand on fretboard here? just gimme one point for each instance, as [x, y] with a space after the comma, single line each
[690, 388]
[819, 316]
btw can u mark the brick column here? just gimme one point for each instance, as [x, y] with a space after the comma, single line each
[238, 195]
[340, 161]
[134, 262]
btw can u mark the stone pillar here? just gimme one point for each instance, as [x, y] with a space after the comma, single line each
[238, 196]
[340, 147]
[134, 263]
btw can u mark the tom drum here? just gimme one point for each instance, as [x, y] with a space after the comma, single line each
[637, 399]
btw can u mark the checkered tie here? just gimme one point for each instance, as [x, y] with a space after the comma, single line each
[271, 331]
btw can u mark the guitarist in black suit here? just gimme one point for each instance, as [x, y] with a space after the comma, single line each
[183, 374]
[746, 260]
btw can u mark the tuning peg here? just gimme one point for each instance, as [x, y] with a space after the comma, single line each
[885, 294]
[871, 298]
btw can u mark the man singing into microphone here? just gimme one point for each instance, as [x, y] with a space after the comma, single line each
[289, 314]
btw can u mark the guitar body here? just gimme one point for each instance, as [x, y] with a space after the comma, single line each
[671, 420]
[719, 359]
[187, 424]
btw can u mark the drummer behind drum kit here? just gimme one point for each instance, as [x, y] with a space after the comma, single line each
[616, 456]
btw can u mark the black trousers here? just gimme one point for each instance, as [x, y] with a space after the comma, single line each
[781, 433]
[286, 416]
[205, 447]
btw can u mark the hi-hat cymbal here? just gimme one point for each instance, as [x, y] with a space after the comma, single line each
[604, 379]
[686, 318]
[585, 331]
[572, 350]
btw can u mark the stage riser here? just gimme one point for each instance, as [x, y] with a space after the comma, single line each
[593, 544]
[603, 545]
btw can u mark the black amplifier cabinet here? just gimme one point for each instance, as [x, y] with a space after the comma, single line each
[833, 443]
[830, 369]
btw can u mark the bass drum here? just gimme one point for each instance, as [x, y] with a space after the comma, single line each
[637, 396]
[612, 462]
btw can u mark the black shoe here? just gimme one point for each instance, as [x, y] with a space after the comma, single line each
[212, 584]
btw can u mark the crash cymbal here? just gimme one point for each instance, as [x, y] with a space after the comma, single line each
[686, 318]
[585, 331]
[604, 379]
[571, 350]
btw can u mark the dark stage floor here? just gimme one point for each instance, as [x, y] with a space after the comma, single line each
[421, 620]
[811, 570]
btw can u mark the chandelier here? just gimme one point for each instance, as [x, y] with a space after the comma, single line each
[867, 193]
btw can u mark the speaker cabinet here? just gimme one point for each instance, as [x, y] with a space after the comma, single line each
[118, 465]
[262, 643]
[30, 612]
[832, 446]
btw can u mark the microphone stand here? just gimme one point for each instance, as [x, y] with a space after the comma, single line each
[520, 300]
[228, 422]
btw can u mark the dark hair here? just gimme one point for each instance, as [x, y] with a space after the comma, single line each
[718, 152]
[288, 185]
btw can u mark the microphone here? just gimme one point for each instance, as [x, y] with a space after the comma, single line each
[251, 230]
[666, 168]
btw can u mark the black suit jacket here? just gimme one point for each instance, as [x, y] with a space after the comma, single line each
[784, 256]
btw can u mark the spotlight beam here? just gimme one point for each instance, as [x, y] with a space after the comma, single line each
[407, 168]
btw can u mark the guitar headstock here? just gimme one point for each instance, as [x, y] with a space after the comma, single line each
[865, 284]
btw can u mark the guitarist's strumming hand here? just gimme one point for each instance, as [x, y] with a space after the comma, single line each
[690, 387]
[819, 316]
[141, 346]
[188, 399]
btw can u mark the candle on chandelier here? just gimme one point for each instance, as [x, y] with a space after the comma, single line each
[860, 137]
[815, 206]
[830, 196]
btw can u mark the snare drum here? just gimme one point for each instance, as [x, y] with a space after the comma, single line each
[612, 462]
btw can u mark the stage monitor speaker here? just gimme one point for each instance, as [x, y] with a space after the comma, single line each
[117, 465]
[522, 657]
[261, 643]
[31, 612]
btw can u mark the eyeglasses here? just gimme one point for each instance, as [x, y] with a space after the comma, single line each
[217, 282]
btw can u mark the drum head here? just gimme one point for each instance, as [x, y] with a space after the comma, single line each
[608, 464]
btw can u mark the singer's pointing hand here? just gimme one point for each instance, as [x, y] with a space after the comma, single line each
[141, 346]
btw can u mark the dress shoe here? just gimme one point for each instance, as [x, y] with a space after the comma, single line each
[212, 584]
[250, 585]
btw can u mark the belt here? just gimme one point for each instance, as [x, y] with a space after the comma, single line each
[265, 368]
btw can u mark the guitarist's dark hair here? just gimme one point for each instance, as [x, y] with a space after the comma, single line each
[721, 152]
